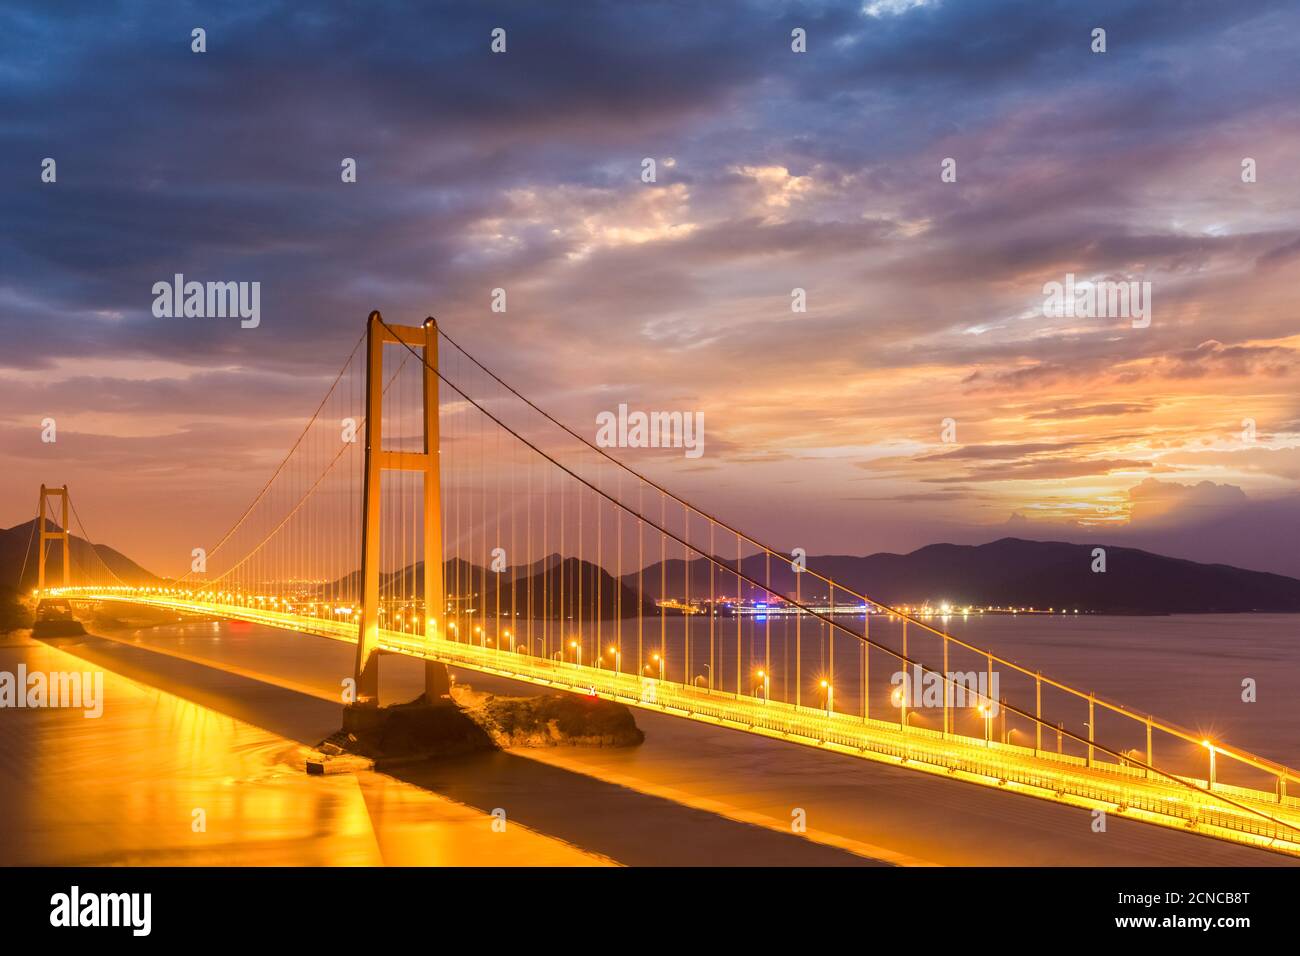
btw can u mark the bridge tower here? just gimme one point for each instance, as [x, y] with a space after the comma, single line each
[47, 535]
[378, 460]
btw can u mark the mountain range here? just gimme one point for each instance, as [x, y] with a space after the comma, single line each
[553, 587]
[1009, 572]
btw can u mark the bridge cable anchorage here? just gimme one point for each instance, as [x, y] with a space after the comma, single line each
[1088, 741]
[1165, 726]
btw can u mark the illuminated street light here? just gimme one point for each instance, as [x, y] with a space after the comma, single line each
[618, 658]
[830, 696]
[763, 676]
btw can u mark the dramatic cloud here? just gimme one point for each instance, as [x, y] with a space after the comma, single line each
[775, 171]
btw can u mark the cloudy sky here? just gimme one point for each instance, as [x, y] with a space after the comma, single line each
[776, 170]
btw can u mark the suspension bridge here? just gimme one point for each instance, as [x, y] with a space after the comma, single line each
[428, 509]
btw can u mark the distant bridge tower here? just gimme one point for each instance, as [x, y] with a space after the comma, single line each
[378, 460]
[47, 535]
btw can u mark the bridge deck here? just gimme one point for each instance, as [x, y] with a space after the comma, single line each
[1259, 819]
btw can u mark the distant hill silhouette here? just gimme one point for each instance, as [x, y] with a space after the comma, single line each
[585, 589]
[18, 546]
[1009, 572]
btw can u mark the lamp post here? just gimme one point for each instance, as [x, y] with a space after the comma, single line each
[898, 697]
[618, 658]
[830, 696]
[763, 676]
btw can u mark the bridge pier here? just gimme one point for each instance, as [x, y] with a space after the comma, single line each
[437, 682]
[367, 678]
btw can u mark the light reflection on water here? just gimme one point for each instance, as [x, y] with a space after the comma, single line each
[123, 789]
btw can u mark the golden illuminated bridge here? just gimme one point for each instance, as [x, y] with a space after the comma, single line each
[547, 560]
